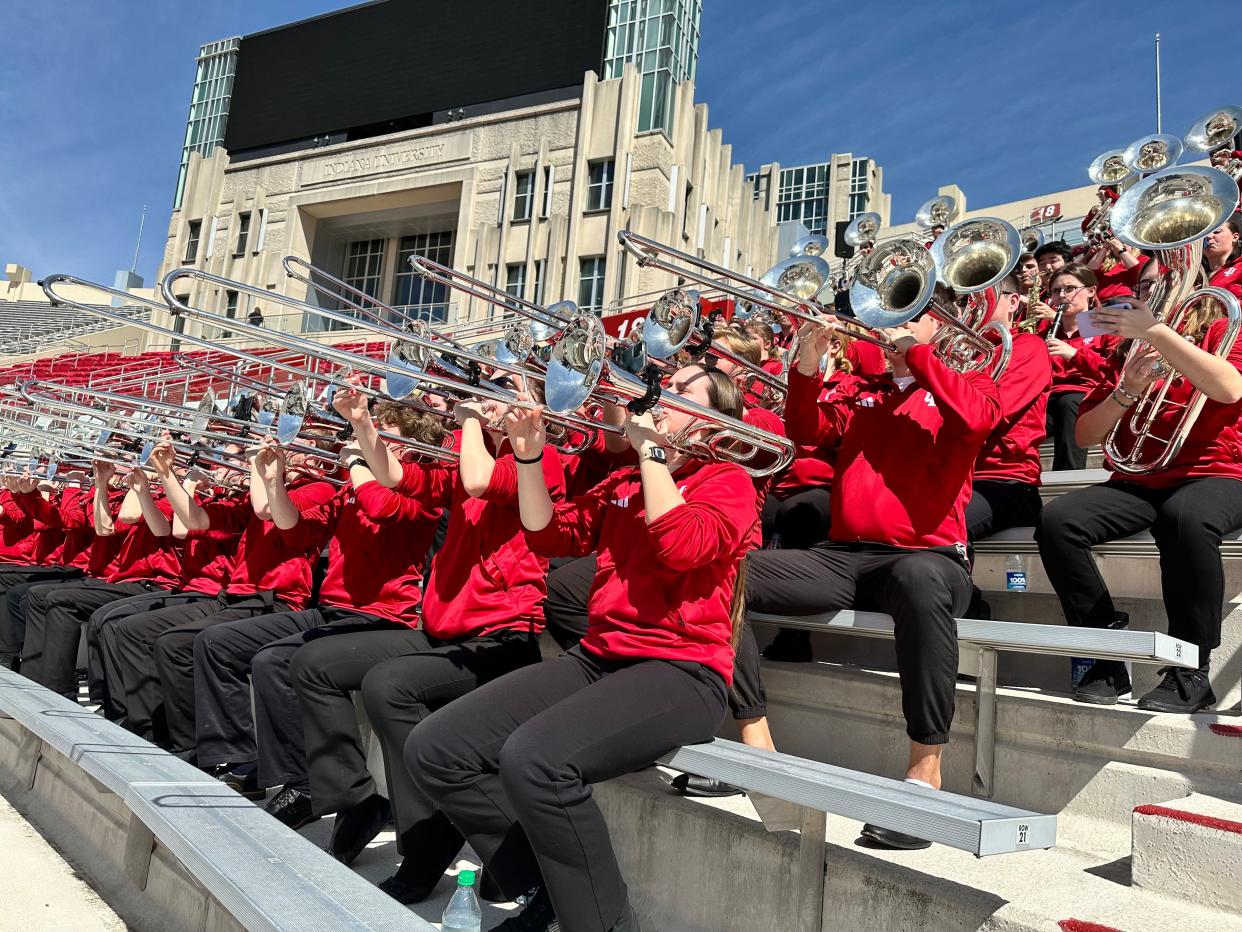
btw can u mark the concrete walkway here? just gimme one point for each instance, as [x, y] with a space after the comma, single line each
[39, 890]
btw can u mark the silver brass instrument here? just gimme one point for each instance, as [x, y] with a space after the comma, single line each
[814, 245]
[1109, 168]
[1126, 444]
[939, 211]
[1217, 129]
[862, 229]
[1032, 238]
[1152, 153]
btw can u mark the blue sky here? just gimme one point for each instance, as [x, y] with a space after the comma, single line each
[1006, 99]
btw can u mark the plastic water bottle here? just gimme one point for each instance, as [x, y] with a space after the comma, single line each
[1015, 573]
[463, 913]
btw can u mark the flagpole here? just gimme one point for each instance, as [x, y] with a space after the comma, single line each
[1157, 82]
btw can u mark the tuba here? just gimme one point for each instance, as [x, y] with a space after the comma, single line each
[862, 229]
[938, 211]
[1217, 130]
[1152, 153]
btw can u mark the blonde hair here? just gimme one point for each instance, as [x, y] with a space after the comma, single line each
[745, 345]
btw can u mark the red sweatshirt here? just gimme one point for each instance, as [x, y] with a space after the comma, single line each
[267, 558]
[375, 558]
[99, 559]
[1091, 363]
[867, 358]
[48, 525]
[1229, 277]
[907, 456]
[143, 557]
[1011, 451]
[485, 578]
[207, 556]
[1119, 280]
[814, 463]
[17, 540]
[661, 590]
[1214, 446]
[590, 467]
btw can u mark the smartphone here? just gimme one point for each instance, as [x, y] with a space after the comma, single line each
[1086, 322]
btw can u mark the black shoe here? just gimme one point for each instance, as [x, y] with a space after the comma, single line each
[247, 784]
[1103, 683]
[688, 784]
[789, 646]
[536, 916]
[1181, 690]
[357, 827]
[405, 891]
[490, 890]
[978, 608]
[887, 838]
[292, 807]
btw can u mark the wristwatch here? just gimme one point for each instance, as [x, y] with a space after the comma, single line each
[356, 461]
[654, 455]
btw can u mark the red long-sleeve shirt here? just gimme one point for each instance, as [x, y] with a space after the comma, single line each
[866, 358]
[1229, 277]
[814, 462]
[907, 455]
[99, 559]
[590, 467]
[267, 558]
[661, 590]
[48, 525]
[1214, 445]
[1091, 363]
[484, 578]
[1011, 451]
[17, 541]
[207, 556]
[1119, 280]
[375, 558]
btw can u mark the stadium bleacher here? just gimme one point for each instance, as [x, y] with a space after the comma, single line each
[29, 326]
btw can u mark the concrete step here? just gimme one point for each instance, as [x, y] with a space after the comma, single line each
[708, 865]
[1092, 765]
[1190, 849]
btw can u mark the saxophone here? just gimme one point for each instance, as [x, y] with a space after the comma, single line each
[1031, 324]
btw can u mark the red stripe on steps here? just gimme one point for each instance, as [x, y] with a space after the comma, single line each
[1227, 731]
[1081, 925]
[1224, 825]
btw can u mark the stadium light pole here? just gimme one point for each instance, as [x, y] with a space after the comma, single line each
[1157, 82]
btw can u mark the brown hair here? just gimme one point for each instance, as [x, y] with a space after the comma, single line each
[410, 422]
[724, 396]
[1078, 271]
[741, 344]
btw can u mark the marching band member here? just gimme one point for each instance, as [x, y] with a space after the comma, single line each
[650, 675]
[147, 561]
[1222, 256]
[1188, 505]
[1052, 257]
[1077, 361]
[1117, 268]
[267, 569]
[897, 542]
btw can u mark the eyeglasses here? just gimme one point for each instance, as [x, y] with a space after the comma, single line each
[1066, 291]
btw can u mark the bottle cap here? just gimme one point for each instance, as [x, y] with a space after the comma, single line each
[465, 879]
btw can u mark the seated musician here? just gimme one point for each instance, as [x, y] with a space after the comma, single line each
[1188, 503]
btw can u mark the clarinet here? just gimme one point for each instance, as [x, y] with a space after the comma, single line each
[1056, 322]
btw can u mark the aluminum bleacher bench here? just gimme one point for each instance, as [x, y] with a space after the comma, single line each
[268, 877]
[987, 638]
[1067, 480]
[1022, 540]
[975, 825]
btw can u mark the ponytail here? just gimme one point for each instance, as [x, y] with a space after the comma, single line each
[737, 605]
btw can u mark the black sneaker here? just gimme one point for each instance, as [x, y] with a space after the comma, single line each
[407, 892]
[688, 784]
[628, 921]
[247, 784]
[292, 807]
[789, 646]
[357, 826]
[536, 916]
[887, 838]
[1181, 690]
[1104, 683]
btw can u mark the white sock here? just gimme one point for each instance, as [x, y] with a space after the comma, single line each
[919, 783]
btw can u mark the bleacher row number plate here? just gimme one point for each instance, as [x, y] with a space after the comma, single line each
[1024, 832]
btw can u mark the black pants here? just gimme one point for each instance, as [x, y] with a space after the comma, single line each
[799, 521]
[262, 648]
[565, 613]
[15, 583]
[1062, 418]
[924, 591]
[103, 671]
[996, 506]
[512, 766]
[155, 656]
[404, 676]
[55, 615]
[1187, 522]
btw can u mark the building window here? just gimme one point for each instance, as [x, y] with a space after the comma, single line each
[191, 242]
[515, 279]
[802, 195]
[859, 188]
[661, 38]
[209, 105]
[541, 268]
[413, 294]
[591, 284]
[523, 195]
[230, 311]
[243, 233]
[548, 176]
[599, 189]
